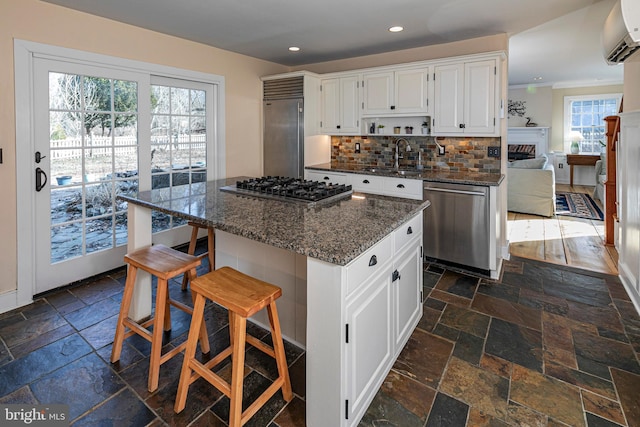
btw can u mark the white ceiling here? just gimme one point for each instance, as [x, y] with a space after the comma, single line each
[555, 39]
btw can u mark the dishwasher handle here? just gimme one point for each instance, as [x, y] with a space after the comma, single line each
[443, 190]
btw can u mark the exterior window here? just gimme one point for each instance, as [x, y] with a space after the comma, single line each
[584, 115]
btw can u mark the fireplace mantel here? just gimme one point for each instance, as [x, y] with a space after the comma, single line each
[538, 136]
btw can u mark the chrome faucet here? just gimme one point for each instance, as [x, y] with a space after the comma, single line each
[397, 156]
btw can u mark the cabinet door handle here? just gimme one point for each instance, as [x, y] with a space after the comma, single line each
[400, 185]
[373, 260]
[338, 127]
[365, 181]
[393, 107]
[395, 276]
[462, 126]
[326, 178]
[409, 230]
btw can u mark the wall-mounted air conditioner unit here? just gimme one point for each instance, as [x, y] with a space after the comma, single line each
[621, 33]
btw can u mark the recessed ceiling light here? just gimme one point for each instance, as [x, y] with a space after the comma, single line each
[537, 78]
[396, 29]
[294, 48]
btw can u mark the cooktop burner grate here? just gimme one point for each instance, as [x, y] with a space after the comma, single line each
[290, 189]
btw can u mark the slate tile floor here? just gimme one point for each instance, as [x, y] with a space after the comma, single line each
[545, 345]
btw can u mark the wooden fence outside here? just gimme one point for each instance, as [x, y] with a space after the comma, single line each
[72, 148]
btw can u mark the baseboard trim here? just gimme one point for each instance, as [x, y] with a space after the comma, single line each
[628, 279]
[505, 252]
[8, 301]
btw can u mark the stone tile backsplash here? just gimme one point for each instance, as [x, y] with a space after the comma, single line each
[461, 154]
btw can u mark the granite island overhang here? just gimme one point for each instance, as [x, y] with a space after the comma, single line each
[350, 270]
[336, 232]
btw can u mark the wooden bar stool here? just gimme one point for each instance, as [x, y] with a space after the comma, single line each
[164, 263]
[243, 296]
[211, 247]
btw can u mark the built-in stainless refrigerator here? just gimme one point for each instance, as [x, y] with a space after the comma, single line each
[283, 139]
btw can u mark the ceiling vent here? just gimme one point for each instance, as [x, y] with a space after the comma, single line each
[621, 33]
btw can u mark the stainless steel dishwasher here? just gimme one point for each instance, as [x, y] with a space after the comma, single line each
[456, 225]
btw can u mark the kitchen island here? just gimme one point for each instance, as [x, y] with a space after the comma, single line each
[350, 270]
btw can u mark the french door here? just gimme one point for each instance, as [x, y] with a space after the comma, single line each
[87, 132]
[99, 133]
[88, 128]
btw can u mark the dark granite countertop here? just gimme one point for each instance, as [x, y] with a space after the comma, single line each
[336, 232]
[471, 178]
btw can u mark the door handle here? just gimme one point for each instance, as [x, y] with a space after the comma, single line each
[39, 174]
[39, 157]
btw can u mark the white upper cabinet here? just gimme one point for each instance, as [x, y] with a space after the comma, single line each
[465, 99]
[459, 95]
[411, 91]
[340, 98]
[396, 92]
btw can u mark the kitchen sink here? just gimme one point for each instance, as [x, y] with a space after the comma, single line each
[391, 171]
[407, 172]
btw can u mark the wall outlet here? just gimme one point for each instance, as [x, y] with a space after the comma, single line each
[441, 151]
[357, 147]
[493, 152]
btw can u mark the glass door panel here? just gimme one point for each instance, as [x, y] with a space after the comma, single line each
[87, 134]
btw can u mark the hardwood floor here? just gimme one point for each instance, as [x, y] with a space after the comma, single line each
[562, 240]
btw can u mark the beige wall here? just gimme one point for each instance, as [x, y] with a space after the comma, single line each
[498, 42]
[632, 83]
[537, 100]
[36, 21]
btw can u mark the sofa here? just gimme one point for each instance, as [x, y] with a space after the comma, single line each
[601, 177]
[531, 187]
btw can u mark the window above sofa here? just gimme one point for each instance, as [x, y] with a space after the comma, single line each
[585, 114]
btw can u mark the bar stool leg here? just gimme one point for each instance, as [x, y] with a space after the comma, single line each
[231, 331]
[278, 349]
[124, 312]
[237, 371]
[156, 340]
[167, 312]
[204, 338]
[190, 251]
[189, 353]
[211, 248]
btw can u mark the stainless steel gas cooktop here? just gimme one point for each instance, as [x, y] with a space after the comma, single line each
[290, 189]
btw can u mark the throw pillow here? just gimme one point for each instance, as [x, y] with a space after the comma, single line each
[537, 163]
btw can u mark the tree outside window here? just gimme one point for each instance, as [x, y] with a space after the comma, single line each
[585, 114]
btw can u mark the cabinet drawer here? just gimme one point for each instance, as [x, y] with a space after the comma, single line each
[402, 187]
[367, 183]
[370, 262]
[336, 178]
[407, 232]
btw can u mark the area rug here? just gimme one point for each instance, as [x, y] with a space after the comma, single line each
[579, 205]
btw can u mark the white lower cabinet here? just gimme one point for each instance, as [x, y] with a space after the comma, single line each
[366, 183]
[375, 184]
[402, 187]
[407, 296]
[380, 314]
[328, 177]
[369, 344]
